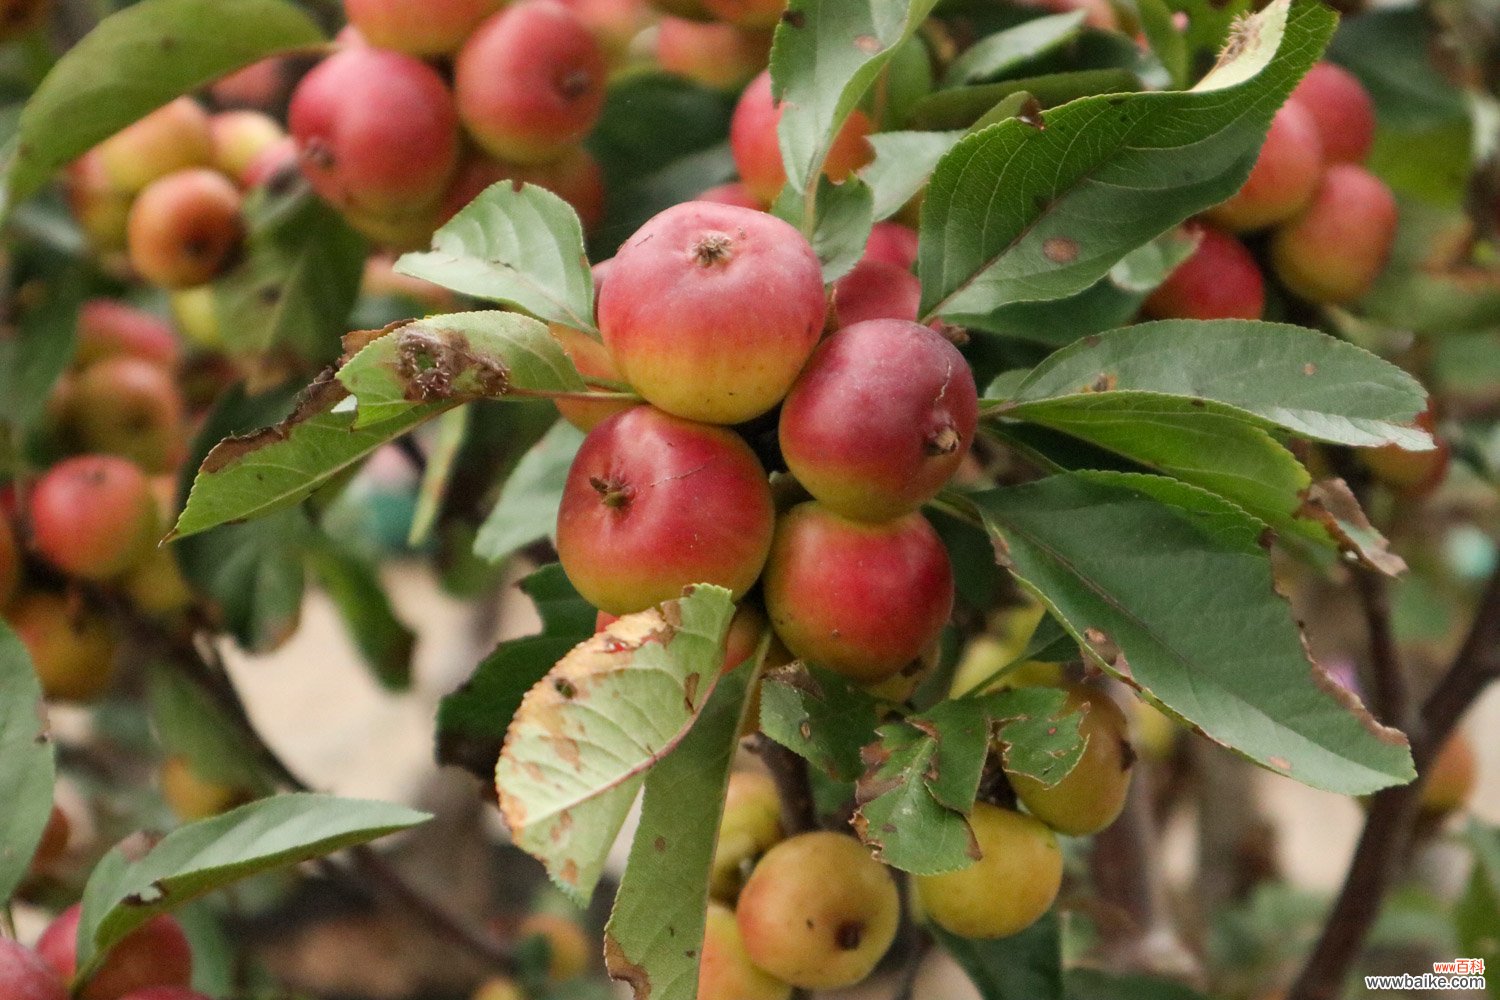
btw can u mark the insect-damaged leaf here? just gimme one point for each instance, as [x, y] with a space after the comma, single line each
[584, 737]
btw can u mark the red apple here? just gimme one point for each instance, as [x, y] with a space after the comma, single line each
[880, 419]
[102, 210]
[858, 598]
[261, 86]
[614, 23]
[73, 650]
[108, 328]
[1412, 473]
[530, 82]
[892, 243]
[874, 289]
[240, 139]
[757, 150]
[172, 138]
[185, 228]
[155, 954]
[733, 193]
[575, 177]
[721, 56]
[94, 516]
[711, 310]
[1284, 177]
[1337, 247]
[24, 976]
[1221, 280]
[747, 13]
[418, 27]
[654, 503]
[128, 407]
[1342, 110]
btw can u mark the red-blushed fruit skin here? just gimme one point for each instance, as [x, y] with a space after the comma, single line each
[155, 954]
[711, 310]
[654, 503]
[720, 56]
[1411, 473]
[24, 976]
[261, 86]
[240, 137]
[860, 599]
[733, 193]
[73, 651]
[108, 328]
[185, 228]
[1337, 247]
[575, 177]
[101, 209]
[418, 27]
[592, 360]
[11, 568]
[165, 993]
[174, 137]
[530, 82]
[1221, 280]
[128, 407]
[892, 243]
[880, 419]
[1342, 110]
[94, 516]
[1284, 177]
[747, 13]
[352, 113]
[271, 162]
[725, 971]
[1451, 776]
[757, 150]
[614, 23]
[874, 289]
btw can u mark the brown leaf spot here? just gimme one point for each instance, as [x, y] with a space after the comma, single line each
[1060, 249]
[1106, 382]
[1309, 369]
[660, 844]
[438, 364]
[867, 43]
[1330, 503]
[620, 967]
[318, 398]
[795, 18]
[1351, 703]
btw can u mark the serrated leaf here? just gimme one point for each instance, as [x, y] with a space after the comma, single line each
[1026, 966]
[471, 722]
[584, 737]
[196, 859]
[842, 218]
[826, 55]
[136, 61]
[384, 642]
[297, 282]
[995, 55]
[820, 716]
[455, 358]
[27, 763]
[1140, 569]
[527, 508]
[1037, 737]
[519, 246]
[654, 938]
[898, 814]
[1021, 213]
[1271, 374]
[903, 163]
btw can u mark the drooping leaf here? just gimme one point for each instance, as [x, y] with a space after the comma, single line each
[1037, 736]
[903, 162]
[1026, 966]
[1140, 570]
[995, 55]
[519, 246]
[820, 716]
[654, 939]
[1270, 374]
[527, 508]
[27, 763]
[1018, 212]
[137, 60]
[196, 859]
[583, 738]
[824, 59]
[452, 359]
[353, 584]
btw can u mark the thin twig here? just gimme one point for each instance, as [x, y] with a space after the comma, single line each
[1391, 700]
[1394, 812]
[793, 785]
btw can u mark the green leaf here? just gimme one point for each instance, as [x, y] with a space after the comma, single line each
[584, 737]
[138, 60]
[1421, 291]
[196, 859]
[279, 467]
[471, 722]
[520, 247]
[1169, 44]
[256, 575]
[1268, 374]
[1037, 737]
[27, 763]
[819, 715]
[354, 586]
[34, 358]
[996, 55]
[654, 938]
[453, 429]
[825, 57]
[527, 508]
[1020, 213]
[297, 283]
[903, 163]
[1477, 914]
[190, 724]
[842, 218]
[921, 778]
[1094, 984]
[1027, 966]
[1140, 569]
[974, 108]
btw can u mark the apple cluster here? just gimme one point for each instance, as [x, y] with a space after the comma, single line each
[425, 104]
[1329, 223]
[153, 962]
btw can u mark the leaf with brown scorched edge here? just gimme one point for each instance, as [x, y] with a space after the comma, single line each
[522, 247]
[1274, 375]
[584, 737]
[654, 937]
[456, 358]
[1020, 213]
[820, 716]
[279, 467]
[1169, 588]
[899, 815]
[1332, 505]
[1036, 736]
